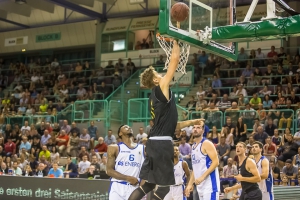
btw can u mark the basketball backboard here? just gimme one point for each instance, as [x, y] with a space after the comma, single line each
[203, 16]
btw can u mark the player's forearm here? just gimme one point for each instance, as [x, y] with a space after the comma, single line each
[116, 175]
[213, 166]
[192, 178]
[236, 187]
[183, 124]
[254, 179]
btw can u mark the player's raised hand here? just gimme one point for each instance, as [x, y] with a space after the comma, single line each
[188, 190]
[175, 50]
[132, 180]
[199, 121]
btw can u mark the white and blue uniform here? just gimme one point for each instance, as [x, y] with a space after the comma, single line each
[128, 162]
[176, 191]
[210, 187]
[266, 185]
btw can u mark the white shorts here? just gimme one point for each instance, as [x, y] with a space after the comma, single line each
[120, 191]
[208, 196]
[267, 196]
[175, 193]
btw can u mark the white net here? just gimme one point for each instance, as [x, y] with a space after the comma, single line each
[167, 45]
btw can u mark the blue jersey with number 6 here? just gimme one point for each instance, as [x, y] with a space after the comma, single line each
[129, 160]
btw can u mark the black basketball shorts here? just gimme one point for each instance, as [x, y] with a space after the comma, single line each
[159, 162]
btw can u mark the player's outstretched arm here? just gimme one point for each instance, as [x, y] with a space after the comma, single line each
[110, 166]
[183, 124]
[189, 188]
[165, 81]
[211, 151]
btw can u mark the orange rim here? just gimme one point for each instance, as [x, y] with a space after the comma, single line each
[158, 36]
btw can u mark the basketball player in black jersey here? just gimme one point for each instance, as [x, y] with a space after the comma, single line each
[248, 176]
[157, 168]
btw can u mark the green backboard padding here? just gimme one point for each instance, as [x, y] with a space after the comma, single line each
[262, 30]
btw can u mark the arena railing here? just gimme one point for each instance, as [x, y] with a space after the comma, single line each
[212, 118]
[297, 120]
[32, 119]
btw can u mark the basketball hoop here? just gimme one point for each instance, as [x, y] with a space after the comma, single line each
[167, 45]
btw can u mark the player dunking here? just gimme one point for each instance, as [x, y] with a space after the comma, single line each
[263, 166]
[157, 168]
[248, 176]
[205, 163]
[181, 170]
[124, 164]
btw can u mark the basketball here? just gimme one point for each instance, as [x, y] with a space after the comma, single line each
[180, 11]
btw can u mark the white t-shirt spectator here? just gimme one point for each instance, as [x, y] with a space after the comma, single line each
[110, 140]
[81, 92]
[60, 76]
[54, 64]
[297, 134]
[83, 166]
[24, 128]
[35, 78]
[139, 137]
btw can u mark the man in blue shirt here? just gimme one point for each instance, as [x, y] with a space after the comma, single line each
[202, 60]
[216, 83]
[25, 144]
[55, 172]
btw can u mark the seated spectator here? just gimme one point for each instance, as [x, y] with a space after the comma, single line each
[260, 135]
[16, 170]
[272, 53]
[254, 101]
[296, 159]
[275, 173]
[241, 131]
[224, 103]
[10, 147]
[83, 165]
[93, 132]
[43, 106]
[45, 162]
[54, 63]
[270, 150]
[256, 124]
[200, 91]
[241, 90]
[242, 101]
[81, 92]
[66, 127]
[141, 135]
[55, 172]
[267, 102]
[285, 181]
[223, 150]
[62, 141]
[103, 163]
[45, 138]
[73, 144]
[286, 117]
[70, 169]
[247, 71]
[289, 149]
[95, 163]
[229, 171]
[290, 171]
[45, 152]
[270, 127]
[25, 144]
[229, 140]
[274, 113]
[185, 151]
[83, 152]
[27, 171]
[105, 90]
[84, 139]
[54, 157]
[276, 139]
[293, 98]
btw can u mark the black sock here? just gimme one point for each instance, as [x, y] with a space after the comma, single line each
[141, 191]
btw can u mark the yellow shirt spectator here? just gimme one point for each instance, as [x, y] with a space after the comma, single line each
[5, 101]
[47, 154]
[43, 108]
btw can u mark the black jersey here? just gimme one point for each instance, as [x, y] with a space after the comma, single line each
[246, 186]
[163, 112]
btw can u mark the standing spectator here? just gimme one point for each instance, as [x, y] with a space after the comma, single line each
[229, 171]
[216, 84]
[84, 139]
[83, 165]
[101, 147]
[141, 135]
[110, 138]
[223, 150]
[93, 132]
[72, 148]
[55, 172]
[185, 150]
[66, 127]
[260, 135]
[70, 169]
[290, 171]
[10, 147]
[62, 142]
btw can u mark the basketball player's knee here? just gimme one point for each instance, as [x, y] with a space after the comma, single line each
[162, 191]
[147, 187]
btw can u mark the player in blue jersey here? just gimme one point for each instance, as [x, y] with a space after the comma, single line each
[181, 173]
[124, 163]
[263, 166]
[205, 163]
